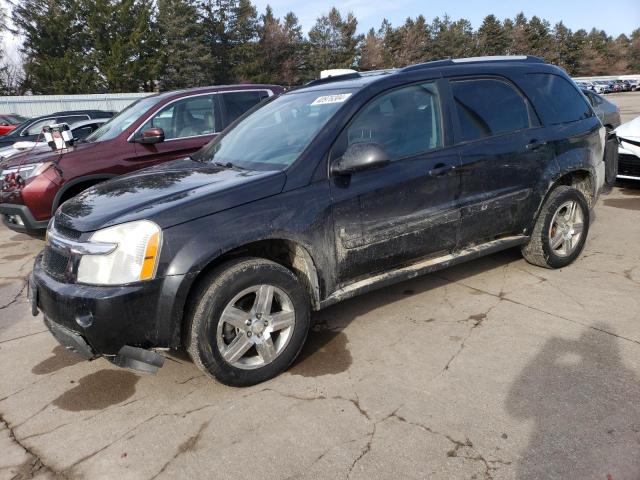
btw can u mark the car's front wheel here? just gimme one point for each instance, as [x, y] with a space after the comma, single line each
[560, 231]
[249, 322]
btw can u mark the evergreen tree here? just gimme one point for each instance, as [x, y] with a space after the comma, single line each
[295, 52]
[452, 39]
[333, 42]
[566, 51]
[56, 47]
[620, 49]
[122, 43]
[538, 37]
[634, 52]
[415, 42]
[519, 38]
[372, 52]
[491, 37]
[184, 59]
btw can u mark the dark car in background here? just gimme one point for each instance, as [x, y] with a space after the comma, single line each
[608, 112]
[609, 115]
[9, 122]
[155, 129]
[328, 191]
[32, 128]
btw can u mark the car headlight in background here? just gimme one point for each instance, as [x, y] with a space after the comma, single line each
[134, 258]
[27, 171]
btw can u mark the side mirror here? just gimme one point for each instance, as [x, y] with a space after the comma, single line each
[150, 136]
[360, 156]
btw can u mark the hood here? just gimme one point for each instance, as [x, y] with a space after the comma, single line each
[168, 194]
[630, 129]
[42, 154]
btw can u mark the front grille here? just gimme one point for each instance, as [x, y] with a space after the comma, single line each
[54, 263]
[628, 165]
[67, 232]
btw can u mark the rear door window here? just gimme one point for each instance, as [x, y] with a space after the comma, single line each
[488, 107]
[556, 99]
[83, 132]
[235, 104]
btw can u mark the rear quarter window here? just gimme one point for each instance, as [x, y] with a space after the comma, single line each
[556, 99]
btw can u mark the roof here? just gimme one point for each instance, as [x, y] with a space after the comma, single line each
[360, 79]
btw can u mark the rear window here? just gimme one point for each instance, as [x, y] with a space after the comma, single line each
[237, 103]
[557, 100]
[488, 107]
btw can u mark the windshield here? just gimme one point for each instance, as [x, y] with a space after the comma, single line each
[122, 120]
[274, 136]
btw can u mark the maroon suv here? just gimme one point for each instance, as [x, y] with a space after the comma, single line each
[154, 129]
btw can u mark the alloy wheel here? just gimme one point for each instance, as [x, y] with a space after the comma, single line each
[566, 229]
[255, 327]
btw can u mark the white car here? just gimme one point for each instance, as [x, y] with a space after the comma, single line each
[79, 130]
[629, 149]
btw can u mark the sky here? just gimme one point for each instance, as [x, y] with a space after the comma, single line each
[621, 16]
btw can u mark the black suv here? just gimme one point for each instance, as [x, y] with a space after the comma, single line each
[328, 191]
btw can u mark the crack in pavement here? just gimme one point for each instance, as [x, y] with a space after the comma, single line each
[16, 297]
[478, 320]
[458, 446]
[189, 444]
[555, 315]
[37, 465]
[367, 448]
[23, 336]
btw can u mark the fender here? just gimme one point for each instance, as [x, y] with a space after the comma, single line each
[552, 181]
[76, 181]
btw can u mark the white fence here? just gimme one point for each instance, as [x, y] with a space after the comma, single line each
[36, 105]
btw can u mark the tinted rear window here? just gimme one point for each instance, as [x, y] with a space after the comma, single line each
[237, 103]
[488, 107]
[557, 100]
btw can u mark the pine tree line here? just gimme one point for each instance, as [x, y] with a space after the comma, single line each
[89, 46]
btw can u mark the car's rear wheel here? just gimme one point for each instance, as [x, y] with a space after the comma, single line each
[249, 322]
[560, 231]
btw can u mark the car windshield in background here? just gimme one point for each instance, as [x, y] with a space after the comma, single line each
[122, 120]
[274, 136]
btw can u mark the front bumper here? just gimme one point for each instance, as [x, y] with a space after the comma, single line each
[111, 321]
[20, 219]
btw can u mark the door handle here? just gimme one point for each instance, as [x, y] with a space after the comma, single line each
[535, 144]
[441, 169]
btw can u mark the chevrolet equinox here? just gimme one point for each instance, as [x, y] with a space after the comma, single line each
[328, 191]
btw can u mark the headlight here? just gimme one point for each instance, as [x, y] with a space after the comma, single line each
[134, 259]
[28, 171]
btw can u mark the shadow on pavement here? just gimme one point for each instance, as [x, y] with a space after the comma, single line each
[585, 408]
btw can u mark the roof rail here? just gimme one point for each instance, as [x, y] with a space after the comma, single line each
[455, 61]
[351, 76]
[334, 78]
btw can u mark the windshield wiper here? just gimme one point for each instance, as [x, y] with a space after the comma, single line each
[227, 165]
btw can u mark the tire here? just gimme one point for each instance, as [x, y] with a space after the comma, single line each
[220, 341]
[611, 160]
[540, 250]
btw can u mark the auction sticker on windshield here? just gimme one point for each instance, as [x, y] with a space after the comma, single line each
[325, 99]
